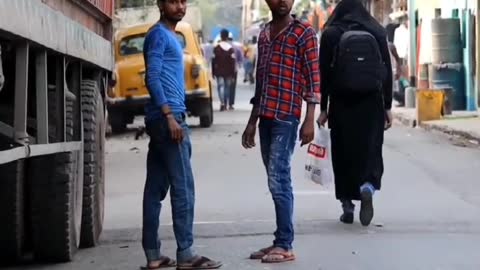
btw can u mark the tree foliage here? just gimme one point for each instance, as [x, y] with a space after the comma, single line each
[208, 9]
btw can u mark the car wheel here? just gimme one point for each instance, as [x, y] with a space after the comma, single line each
[206, 119]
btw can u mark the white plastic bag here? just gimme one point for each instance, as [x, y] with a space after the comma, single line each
[318, 167]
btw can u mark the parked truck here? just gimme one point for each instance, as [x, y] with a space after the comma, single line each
[57, 59]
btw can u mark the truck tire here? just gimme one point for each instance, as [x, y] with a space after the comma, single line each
[94, 159]
[12, 225]
[56, 201]
[206, 119]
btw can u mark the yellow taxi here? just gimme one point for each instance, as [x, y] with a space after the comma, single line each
[129, 96]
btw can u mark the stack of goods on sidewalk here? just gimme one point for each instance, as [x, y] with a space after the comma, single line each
[441, 84]
[447, 70]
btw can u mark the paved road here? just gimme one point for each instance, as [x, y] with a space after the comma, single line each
[427, 216]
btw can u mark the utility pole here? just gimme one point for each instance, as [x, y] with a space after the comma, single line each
[477, 45]
[412, 59]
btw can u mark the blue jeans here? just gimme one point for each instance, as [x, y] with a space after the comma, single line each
[277, 141]
[224, 87]
[168, 168]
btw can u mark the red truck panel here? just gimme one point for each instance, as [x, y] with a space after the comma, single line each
[106, 6]
[96, 15]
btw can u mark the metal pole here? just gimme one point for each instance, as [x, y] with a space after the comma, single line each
[244, 17]
[412, 59]
[42, 97]
[477, 47]
[21, 93]
[471, 96]
[60, 99]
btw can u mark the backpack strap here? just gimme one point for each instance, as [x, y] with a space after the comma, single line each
[343, 28]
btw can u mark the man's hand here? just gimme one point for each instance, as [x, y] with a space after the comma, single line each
[388, 119]
[248, 137]
[176, 131]
[307, 132]
[322, 119]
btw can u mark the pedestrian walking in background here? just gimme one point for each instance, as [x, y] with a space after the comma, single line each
[250, 61]
[238, 65]
[401, 42]
[170, 149]
[288, 72]
[224, 69]
[208, 52]
[356, 100]
[398, 93]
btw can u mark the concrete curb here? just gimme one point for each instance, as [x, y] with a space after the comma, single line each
[405, 120]
[410, 122]
[474, 138]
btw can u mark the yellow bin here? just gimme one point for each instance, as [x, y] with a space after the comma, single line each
[429, 104]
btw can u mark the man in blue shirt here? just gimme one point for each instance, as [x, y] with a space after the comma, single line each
[168, 161]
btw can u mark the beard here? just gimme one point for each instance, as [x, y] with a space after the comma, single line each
[174, 18]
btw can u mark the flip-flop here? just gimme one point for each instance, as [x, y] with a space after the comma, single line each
[201, 263]
[366, 208]
[258, 255]
[287, 256]
[166, 262]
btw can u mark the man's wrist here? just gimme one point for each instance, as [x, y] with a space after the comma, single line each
[253, 119]
[310, 115]
[309, 120]
[165, 109]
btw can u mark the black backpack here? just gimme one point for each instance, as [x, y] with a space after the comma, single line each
[358, 66]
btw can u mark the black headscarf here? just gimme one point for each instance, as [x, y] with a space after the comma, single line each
[353, 11]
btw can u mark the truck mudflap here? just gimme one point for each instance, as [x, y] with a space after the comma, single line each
[2, 77]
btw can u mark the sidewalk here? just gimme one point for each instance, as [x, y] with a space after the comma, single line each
[463, 124]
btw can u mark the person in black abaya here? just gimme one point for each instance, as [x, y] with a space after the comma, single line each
[357, 122]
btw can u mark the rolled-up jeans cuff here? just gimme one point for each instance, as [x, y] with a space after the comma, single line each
[185, 255]
[153, 255]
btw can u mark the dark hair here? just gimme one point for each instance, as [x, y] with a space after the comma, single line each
[224, 34]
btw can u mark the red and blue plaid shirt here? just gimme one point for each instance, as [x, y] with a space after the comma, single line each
[288, 71]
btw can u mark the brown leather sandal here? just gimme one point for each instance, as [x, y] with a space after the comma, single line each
[200, 263]
[278, 256]
[165, 262]
[258, 255]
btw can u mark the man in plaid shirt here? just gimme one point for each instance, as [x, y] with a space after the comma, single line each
[287, 73]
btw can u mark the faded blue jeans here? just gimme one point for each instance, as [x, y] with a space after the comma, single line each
[168, 168]
[277, 141]
[224, 87]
